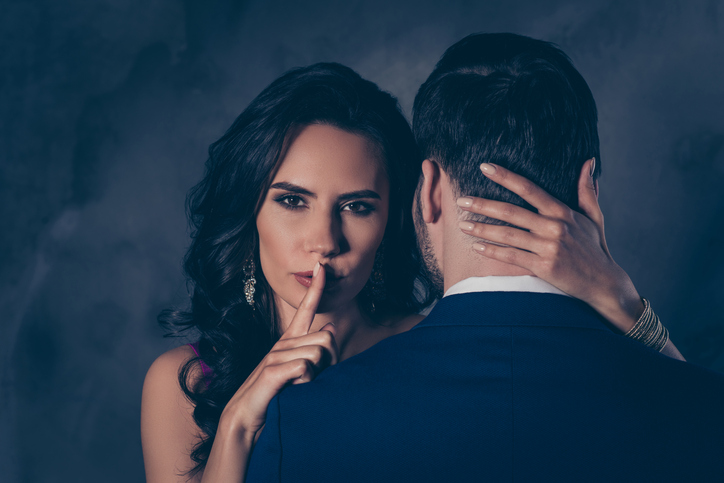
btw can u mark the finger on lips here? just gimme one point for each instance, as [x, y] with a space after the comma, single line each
[298, 356]
[319, 348]
[314, 292]
[302, 320]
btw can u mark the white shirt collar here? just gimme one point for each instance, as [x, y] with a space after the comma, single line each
[495, 283]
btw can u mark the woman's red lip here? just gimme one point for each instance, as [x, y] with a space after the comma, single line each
[309, 273]
[305, 278]
[306, 281]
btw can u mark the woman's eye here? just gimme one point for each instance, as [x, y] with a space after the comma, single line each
[291, 201]
[357, 207]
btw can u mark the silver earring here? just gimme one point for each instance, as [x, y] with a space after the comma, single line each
[249, 281]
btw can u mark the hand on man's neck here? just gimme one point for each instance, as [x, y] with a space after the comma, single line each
[459, 259]
[452, 248]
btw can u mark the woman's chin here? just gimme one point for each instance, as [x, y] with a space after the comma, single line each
[332, 303]
[338, 300]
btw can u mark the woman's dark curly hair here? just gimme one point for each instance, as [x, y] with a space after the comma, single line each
[222, 210]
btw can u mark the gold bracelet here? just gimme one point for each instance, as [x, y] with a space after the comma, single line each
[649, 330]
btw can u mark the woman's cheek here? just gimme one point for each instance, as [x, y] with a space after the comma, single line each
[367, 238]
[276, 240]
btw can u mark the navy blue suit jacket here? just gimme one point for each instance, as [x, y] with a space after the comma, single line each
[497, 386]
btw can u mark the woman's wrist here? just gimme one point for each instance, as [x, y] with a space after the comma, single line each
[229, 454]
[234, 430]
[649, 330]
[621, 304]
[239, 438]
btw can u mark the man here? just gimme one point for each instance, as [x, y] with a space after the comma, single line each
[507, 378]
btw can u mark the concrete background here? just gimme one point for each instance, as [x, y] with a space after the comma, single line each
[107, 110]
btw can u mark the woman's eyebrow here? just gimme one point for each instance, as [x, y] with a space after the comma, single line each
[359, 194]
[352, 195]
[293, 188]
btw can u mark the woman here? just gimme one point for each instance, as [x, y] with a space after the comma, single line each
[304, 254]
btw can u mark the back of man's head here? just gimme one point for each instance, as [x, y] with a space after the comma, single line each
[513, 101]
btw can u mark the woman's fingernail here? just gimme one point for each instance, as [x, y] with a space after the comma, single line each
[487, 168]
[316, 270]
[479, 247]
[465, 202]
[466, 226]
[593, 166]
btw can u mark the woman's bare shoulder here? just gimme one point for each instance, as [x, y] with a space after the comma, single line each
[168, 430]
[168, 364]
[161, 386]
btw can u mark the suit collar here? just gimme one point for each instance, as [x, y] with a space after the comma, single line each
[497, 283]
[513, 309]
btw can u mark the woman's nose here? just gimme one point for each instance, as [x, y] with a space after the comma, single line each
[324, 236]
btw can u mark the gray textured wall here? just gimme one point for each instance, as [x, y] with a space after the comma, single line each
[108, 108]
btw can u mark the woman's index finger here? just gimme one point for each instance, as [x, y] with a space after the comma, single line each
[302, 320]
[523, 187]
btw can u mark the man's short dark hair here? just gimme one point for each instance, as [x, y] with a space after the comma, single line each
[513, 101]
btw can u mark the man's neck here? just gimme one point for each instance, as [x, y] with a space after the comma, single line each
[461, 261]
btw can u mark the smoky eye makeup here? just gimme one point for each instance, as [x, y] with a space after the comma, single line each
[290, 201]
[294, 197]
[359, 208]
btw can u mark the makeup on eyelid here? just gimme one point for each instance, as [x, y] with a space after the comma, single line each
[290, 191]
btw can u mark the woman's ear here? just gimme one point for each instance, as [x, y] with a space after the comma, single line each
[430, 192]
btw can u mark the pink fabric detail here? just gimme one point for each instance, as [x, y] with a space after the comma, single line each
[204, 368]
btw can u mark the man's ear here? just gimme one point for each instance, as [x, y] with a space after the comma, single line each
[587, 186]
[430, 192]
[588, 192]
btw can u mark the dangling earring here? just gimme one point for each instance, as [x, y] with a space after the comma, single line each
[249, 281]
[377, 280]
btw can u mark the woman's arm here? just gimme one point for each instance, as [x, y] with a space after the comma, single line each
[559, 245]
[168, 430]
[167, 427]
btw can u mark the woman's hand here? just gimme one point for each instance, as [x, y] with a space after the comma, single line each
[297, 357]
[561, 246]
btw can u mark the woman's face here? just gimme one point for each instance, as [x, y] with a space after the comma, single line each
[328, 203]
